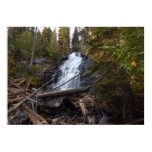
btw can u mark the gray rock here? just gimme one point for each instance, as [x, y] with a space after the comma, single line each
[38, 60]
[52, 103]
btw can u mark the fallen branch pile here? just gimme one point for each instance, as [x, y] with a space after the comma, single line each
[22, 101]
[18, 95]
[73, 106]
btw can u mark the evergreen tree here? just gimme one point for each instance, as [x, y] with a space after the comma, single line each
[75, 40]
[19, 43]
[52, 49]
[64, 40]
[83, 39]
[46, 38]
[38, 47]
[20, 40]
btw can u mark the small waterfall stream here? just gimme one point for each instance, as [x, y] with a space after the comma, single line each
[69, 69]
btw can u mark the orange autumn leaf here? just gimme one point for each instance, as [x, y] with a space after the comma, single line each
[133, 63]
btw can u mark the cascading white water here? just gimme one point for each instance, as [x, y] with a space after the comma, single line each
[70, 69]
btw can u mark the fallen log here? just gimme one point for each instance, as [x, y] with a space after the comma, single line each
[21, 82]
[14, 100]
[18, 93]
[14, 90]
[63, 92]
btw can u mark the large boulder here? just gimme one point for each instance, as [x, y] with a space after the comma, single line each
[52, 103]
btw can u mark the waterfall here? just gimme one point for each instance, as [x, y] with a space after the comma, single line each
[69, 69]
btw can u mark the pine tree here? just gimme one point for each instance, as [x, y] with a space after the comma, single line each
[20, 40]
[38, 47]
[83, 38]
[64, 40]
[75, 40]
[19, 43]
[46, 38]
[52, 49]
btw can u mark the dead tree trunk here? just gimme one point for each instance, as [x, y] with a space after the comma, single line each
[33, 47]
[63, 92]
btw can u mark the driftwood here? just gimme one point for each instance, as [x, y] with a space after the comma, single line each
[27, 97]
[83, 109]
[21, 82]
[15, 85]
[16, 92]
[13, 90]
[28, 83]
[32, 115]
[63, 92]
[17, 80]
[14, 100]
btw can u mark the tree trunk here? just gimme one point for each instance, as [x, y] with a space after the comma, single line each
[33, 47]
[63, 92]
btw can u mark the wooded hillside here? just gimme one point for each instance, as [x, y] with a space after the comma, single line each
[117, 57]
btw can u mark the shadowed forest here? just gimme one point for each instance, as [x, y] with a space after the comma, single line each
[93, 75]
